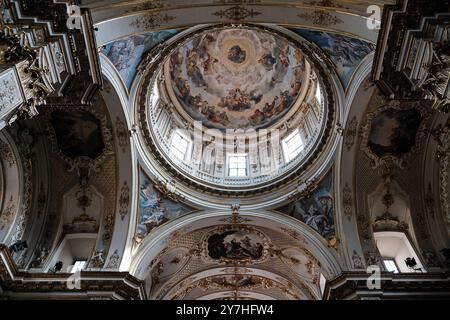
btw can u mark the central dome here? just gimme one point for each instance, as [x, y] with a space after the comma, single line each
[236, 78]
[235, 109]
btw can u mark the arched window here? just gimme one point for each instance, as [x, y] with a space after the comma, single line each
[397, 253]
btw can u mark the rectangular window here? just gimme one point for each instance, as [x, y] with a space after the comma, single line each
[237, 166]
[390, 265]
[179, 145]
[293, 145]
[78, 266]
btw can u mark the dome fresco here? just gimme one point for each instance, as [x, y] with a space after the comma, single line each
[237, 78]
[240, 80]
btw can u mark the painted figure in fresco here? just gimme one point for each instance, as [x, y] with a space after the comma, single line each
[222, 95]
[284, 54]
[78, 134]
[268, 61]
[349, 51]
[394, 131]
[234, 245]
[315, 210]
[237, 100]
[257, 117]
[317, 214]
[236, 54]
[126, 54]
[152, 210]
[256, 96]
[269, 109]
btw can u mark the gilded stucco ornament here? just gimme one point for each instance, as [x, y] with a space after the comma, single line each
[114, 260]
[124, 201]
[122, 135]
[347, 201]
[358, 262]
[26, 139]
[237, 13]
[442, 137]
[151, 20]
[96, 121]
[7, 214]
[6, 153]
[98, 259]
[320, 18]
[351, 133]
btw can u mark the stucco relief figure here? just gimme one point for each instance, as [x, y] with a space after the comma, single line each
[235, 245]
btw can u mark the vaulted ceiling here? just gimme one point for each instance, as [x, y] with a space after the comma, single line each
[95, 182]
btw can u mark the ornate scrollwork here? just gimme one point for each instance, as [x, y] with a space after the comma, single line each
[82, 164]
[124, 200]
[351, 133]
[358, 262]
[114, 260]
[347, 201]
[442, 137]
[151, 20]
[436, 84]
[236, 13]
[321, 18]
[122, 135]
[97, 260]
[6, 154]
[8, 213]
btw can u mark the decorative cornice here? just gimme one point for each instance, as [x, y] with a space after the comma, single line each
[353, 285]
[109, 285]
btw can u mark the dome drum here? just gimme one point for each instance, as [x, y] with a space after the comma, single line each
[206, 127]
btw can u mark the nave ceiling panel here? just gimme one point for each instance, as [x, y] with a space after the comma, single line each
[240, 256]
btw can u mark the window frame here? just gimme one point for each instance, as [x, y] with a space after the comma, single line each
[179, 152]
[391, 260]
[241, 166]
[287, 152]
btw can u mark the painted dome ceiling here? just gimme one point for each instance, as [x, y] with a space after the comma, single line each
[237, 78]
